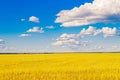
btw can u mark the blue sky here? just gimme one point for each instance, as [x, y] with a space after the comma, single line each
[59, 26]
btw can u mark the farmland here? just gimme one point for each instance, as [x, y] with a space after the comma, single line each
[73, 66]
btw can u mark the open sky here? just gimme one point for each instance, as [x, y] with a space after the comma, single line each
[59, 25]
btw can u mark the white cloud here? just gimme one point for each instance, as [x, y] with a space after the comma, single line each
[106, 31]
[50, 27]
[36, 30]
[2, 41]
[24, 35]
[99, 11]
[22, 19]
[69, 40]
[109, 31]
[2, 44]
[74, 40]
[98, 47]
[115, 47]
[88, 31]
[34, 19]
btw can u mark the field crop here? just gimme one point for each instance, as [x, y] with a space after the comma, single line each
[74, 66]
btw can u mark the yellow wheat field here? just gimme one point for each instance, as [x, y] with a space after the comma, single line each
[96, 66]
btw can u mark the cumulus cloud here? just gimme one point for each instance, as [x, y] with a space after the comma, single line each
[115, 47]
[22, 19]
[106, 31]
[34, 19]
[2, 41]
[24, 35]
[98, 47]
[74, 40]
[50, 27]
[67, 40]
[89, 31]
[99, 11]
[36, 30]
[109, 31]
[2, 44]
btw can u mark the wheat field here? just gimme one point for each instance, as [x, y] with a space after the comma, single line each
[73, 66]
